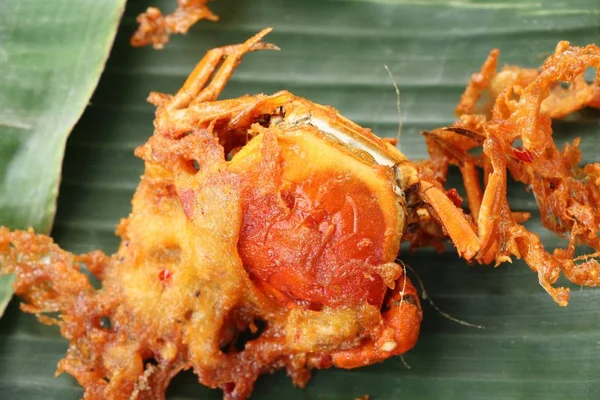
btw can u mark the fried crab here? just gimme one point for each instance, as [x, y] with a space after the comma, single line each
[276, 218]
[519, 108]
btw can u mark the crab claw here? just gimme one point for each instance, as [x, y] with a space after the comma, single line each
[397, 333]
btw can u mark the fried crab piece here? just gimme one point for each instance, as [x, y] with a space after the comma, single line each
[264, 215]
[519, 107]
[155, 28]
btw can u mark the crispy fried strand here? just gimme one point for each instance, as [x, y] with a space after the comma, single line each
[520, 106]
[156, 28]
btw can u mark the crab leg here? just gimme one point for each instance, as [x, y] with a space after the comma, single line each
[452, 218]
[464, 161]
[472, 187]
[398, 330]
[486, 208]
[523, 110]
[478, 83]
[194, 90]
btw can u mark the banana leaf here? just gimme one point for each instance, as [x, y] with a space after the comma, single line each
[5, 291]
[334, 52]
[51, 57]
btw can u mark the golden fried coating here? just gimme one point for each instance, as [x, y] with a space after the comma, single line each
[297, 232]
[521, 103]
[156, 28]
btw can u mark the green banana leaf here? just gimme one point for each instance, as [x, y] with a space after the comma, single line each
[334, 52]
[51, 57]
[6, 291]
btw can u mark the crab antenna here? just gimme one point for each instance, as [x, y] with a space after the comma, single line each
[397, 104]
[425, 296]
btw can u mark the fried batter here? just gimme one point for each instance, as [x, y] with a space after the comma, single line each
[156, 28]
[520, 105]
[297, 232]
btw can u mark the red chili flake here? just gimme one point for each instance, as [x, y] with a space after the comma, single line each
[523, 154]
[455, 197]
[171, 191]
[164, 275]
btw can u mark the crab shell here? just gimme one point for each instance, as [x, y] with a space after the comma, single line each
[281, 211]
[297, 229]
[257, 211]
[322, 218]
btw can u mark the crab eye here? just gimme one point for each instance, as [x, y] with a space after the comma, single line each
[318, 218]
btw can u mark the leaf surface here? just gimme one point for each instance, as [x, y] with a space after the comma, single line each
[334, 52]
[5, 291]
[51, 56]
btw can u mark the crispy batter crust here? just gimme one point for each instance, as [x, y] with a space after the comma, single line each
[520, 105]
[214, 249]
[156, 28]
[176, 294]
